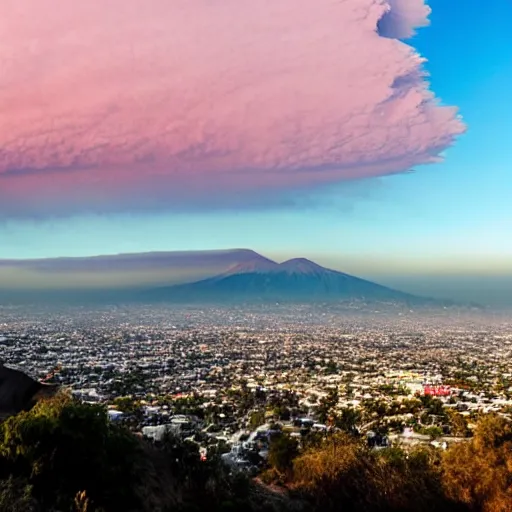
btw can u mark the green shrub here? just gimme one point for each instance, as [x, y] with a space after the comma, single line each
[62, 447]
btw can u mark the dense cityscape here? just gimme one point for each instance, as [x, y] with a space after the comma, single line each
[226, 379]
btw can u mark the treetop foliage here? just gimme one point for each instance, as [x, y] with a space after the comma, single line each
[66, 456]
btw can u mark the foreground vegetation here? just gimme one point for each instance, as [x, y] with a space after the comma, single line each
[66, 456]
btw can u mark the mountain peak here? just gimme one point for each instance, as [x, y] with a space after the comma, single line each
[261, 265]
[301, 266]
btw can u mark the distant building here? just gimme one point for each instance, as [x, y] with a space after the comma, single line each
[178, 425]
[436, 390]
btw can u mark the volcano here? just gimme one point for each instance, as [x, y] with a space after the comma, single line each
[296, 280]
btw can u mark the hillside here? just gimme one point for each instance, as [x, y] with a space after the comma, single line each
[65, 455]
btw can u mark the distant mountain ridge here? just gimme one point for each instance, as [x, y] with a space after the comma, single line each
[225, 276]
[117, 271]
[132, 261]
[295, 280]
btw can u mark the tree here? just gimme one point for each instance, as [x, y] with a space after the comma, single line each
[478, 473]
[343, 474]
[458, 424]
[331, 367]
[16, 496]
[326, 406]
[67, 456]
[126, 404]
[434, 432]
[62, 447]
[257, 419]
[282, 413]
[348, 420]
[282, 452]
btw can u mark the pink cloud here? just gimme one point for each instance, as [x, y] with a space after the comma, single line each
[402, 17]
[129, 104]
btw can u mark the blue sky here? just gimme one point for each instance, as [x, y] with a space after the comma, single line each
[452, 218]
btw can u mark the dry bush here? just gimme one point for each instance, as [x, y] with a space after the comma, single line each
[479, 473]
[343, 474]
